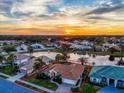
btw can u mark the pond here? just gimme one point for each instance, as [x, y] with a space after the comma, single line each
[98, 60]
[52, 55]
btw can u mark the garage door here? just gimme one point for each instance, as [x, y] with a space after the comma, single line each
[68, 81]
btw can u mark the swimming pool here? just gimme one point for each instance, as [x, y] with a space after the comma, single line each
[9, 87]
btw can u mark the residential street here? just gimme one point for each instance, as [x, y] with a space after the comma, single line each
[18, 76]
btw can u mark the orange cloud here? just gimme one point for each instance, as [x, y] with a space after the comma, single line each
[62, 30]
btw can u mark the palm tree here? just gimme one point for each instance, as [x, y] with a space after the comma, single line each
[122, 51]
[93, 63]
[58, 57]
[112, 58]
[37, 66]
[10, 59]
[1, 58]
[40, 61]
[65, 57]
[30, 50]
[82, 60]
[120, 62]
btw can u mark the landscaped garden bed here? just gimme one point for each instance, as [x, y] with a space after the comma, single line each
[43, 82]
[1, 76]
[30, 87]
[9, 70]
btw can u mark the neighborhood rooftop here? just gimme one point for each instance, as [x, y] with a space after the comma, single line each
[112, 72]
[21, 56]
[71, 71]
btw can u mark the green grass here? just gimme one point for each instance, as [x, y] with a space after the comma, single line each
[1, 76]
[107, 53]
[90, 88]
[45, 83]
[7, 70]
[31, 87]
[118, 54]
[67, 63]
[69, 50]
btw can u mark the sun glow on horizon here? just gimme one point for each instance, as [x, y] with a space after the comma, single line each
[69, 32]
[62, 17]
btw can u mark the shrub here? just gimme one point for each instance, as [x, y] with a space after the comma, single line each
[42, 76]
[111, 58]
[78, 82]
[120, 62]
[58, 79]
[77, 89]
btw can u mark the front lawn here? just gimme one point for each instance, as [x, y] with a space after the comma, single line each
[90, 88]
[30, 87]
[1, 76]
[43, 82]
[9, 70]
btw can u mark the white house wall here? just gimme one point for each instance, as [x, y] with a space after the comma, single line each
[68, 81]
[95, 80]
[21, 61]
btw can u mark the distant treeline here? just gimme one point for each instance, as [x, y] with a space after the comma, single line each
[23, 37]
[45, 37]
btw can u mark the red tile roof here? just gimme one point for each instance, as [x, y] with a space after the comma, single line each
[72, 71]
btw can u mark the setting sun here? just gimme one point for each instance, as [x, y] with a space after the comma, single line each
[68, 32]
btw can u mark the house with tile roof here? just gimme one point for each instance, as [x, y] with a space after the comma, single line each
[21, 59]
[109, 75]
[45, 59]
[28, 67]
[70, 74]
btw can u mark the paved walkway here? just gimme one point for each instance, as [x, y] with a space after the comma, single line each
[39, 87]
[64, 88]
[16, 77]
[5, 75]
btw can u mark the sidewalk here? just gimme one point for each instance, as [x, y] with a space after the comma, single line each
[16, 77]
[39, 87]
[5, 75]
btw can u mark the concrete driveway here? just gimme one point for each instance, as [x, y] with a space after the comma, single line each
[64, 88]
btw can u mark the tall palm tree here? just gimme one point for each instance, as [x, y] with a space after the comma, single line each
[41, 63]
[30, 50]
[58, 57]
[65, 56]
[10, 59]
[122, 51]
[37, 66]
[120, 62]
[1, 58]
[82, 60]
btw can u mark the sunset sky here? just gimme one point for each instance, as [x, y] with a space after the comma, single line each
[62, 17]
